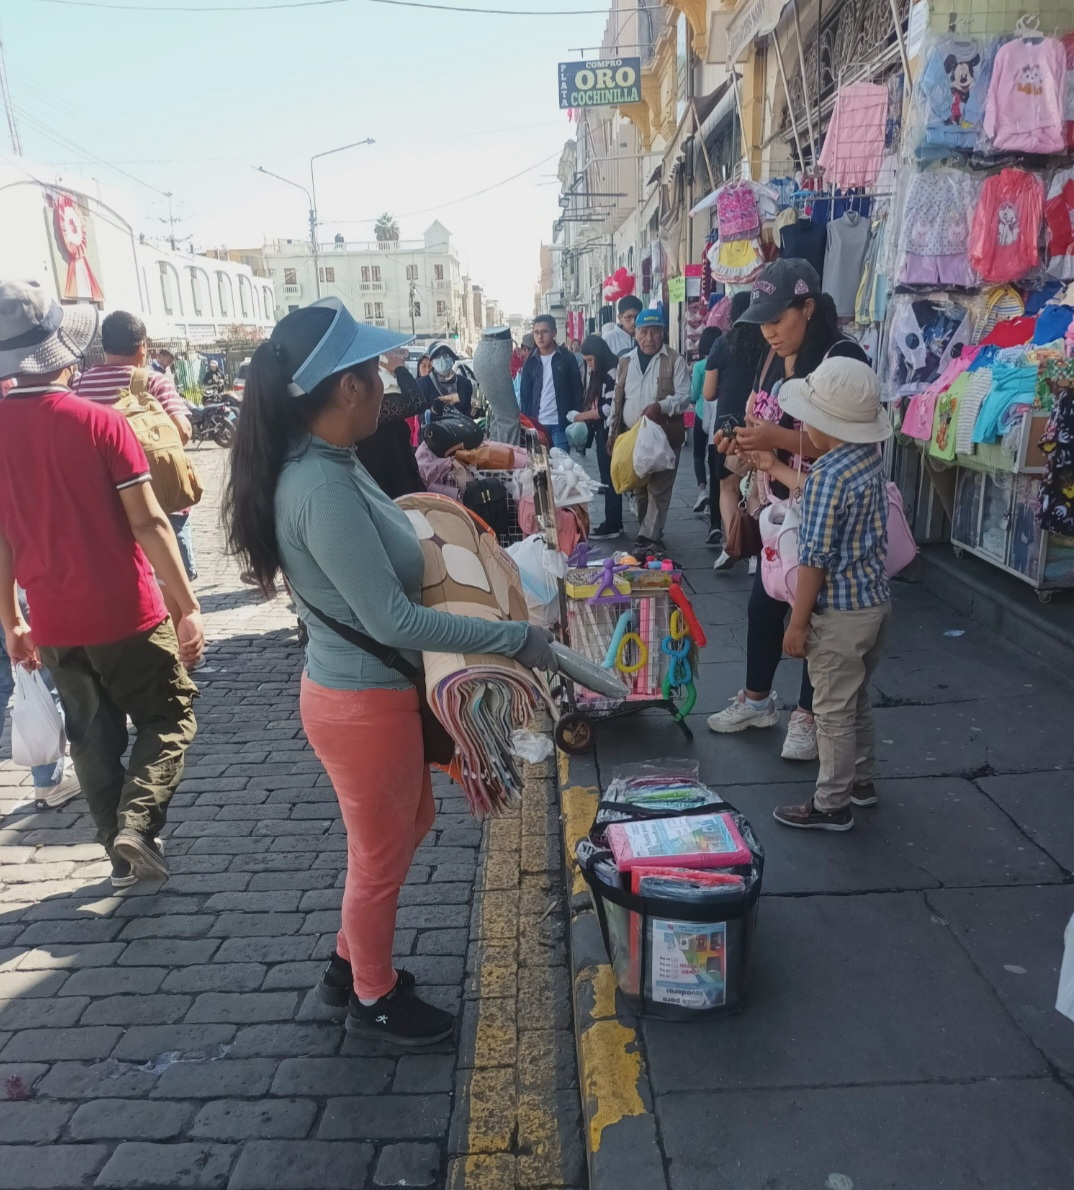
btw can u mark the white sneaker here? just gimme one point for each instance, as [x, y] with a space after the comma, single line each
[752, 568]
[54, 796]
[702, 501]
[740, 715]
[723, 562]
[801, 741]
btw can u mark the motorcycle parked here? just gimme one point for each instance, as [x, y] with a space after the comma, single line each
[212, 423]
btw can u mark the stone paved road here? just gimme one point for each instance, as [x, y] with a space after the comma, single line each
[170, 1038]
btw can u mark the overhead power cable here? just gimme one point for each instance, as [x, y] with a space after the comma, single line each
[284, 4]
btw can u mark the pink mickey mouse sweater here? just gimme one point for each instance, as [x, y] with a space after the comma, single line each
[1024, 110]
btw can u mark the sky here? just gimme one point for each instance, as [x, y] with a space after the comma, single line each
[192, 102]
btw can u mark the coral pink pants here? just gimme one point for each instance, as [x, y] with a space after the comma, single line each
[370, 744]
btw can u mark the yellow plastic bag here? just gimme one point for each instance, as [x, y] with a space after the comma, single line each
[624, 477]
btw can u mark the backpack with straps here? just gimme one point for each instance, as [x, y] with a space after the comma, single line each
[175, 482]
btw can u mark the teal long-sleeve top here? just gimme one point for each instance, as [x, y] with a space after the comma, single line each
[352, 553]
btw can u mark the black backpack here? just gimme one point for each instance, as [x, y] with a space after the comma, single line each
[488, 498]
[453, 429]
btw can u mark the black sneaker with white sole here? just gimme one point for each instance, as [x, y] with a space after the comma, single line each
[603, 532]
[400, 1016]
[702, 502]
[336, 984]
[715, 537]
[122, 873]
[143, 853]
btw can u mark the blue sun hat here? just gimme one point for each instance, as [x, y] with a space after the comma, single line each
[345, 344]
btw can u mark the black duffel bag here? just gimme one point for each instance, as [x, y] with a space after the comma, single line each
[451, 430]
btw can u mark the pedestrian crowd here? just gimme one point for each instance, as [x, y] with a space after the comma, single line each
[96, 564]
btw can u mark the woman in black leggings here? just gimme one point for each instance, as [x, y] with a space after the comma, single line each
[800, 326]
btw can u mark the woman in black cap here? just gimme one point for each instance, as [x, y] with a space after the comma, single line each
[298, 500]
[801, 328]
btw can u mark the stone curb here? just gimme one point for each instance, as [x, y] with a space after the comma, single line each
[622, 1145]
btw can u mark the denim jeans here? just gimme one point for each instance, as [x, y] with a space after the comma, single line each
[557, 437]
[44, 775]
[181, 526]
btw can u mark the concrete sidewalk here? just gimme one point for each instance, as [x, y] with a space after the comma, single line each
[900, 1029]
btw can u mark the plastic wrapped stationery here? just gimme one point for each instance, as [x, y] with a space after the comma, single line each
[674, 872]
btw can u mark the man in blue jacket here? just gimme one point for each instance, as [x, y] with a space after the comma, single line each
[551, 384]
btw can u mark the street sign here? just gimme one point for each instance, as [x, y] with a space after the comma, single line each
[602, 83]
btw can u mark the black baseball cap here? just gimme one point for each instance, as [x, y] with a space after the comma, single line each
[777, 286]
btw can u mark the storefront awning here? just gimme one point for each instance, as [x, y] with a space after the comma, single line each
[755, 18]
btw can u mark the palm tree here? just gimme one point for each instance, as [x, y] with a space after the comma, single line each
[386, 228]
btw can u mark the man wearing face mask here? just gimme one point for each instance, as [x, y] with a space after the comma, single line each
[444, 387]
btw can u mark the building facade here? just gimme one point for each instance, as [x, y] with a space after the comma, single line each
[413, 286]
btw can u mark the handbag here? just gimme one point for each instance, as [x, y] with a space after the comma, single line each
[902, 549]
[439, 746]
[743, 534]
[451, 430]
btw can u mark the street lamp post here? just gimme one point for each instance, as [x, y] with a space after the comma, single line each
[311, 196]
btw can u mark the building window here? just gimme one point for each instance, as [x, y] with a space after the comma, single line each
[411, 272]
[246, 296]
[369, 311]
[438, 272]
[441, 309]
[330, 275]
[365, 272]
[291, 309]
[376, 272]
[269, 300]
[169, 289]
[290, 277]
[415, 308]
[225, 295]
[379, 309]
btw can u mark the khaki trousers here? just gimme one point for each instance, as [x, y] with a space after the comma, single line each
[843, 650]
[654, 501]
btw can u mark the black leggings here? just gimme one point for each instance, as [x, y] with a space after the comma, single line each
[701, 446]
[767, 618]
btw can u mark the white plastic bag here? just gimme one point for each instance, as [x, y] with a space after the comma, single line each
[37, 734]
[1064, 1000]
[652, 450]
[539, 568]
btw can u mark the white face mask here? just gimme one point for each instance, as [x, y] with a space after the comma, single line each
[443, 364]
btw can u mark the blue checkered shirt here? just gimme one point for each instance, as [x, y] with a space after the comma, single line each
[844, 527]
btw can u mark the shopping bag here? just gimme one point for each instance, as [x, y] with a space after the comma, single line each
[652, 450]
[624, 477]
[1064, 1000]
[37, 734]
[539, 568]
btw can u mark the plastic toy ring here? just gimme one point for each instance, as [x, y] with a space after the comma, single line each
[622, 625]
[689, 615]
[679, 671]
[677, 625]
[688, 705]
[631, 638]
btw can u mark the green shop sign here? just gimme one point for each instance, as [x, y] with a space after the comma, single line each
[600, 84]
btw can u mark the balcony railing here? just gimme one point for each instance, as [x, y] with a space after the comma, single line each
[292, 291]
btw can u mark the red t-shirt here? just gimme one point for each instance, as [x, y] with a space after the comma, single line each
[63, 462]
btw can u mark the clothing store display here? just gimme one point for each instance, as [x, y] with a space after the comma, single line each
[921, 337]
[736, 212]
[1055, 504]
[848, 241]
[1053, 322]
[492, 368]
[870, 303]
[854, 144]
[805, 240]
[953, 91]
[942, 445]
[1005, 232]
[976, 391]
[1024, 112]
[1059, 226]
[935, 229]
[735, 262]
[1011, 332]
[1010, 385]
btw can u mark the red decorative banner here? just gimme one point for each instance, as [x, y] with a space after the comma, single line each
[71, 233]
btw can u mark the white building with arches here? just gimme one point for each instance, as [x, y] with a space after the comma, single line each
[78, 239]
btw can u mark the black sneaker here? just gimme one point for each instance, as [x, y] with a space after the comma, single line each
[337, 982]
[143, 853]
[715, 537]
[603, 532]
[864, 795]
[808, 817]
[400, 1016]
[122, 873]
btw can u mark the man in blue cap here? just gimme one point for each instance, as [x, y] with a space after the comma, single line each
[652, 382]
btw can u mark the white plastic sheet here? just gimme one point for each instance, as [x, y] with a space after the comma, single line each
[1064, 1000]
[37, 734]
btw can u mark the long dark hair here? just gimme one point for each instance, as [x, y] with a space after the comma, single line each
[273, 428]
[822, 330]
[606, 361]
[707, 340]
[744, 340]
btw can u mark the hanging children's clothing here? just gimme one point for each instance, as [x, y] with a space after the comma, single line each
[1024, 112]
[920, 338]
[870, 304]
[848, 241]
[954, 90]
[1010, 385]
[1059, 226]
[854, 144]
[977, 389]
[1005, 232]
[1055, 504]
[737, 213]
[935, 231]
[1068, 100]
[942, 445]
[807, 240]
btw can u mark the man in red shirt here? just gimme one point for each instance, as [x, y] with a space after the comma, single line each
[82, 533]
[124, 339]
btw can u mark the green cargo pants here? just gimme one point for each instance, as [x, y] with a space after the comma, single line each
[100, 685]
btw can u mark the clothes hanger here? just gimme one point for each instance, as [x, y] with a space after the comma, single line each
[1028, 28]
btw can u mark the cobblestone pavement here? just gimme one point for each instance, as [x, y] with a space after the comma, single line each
[169, 1037]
